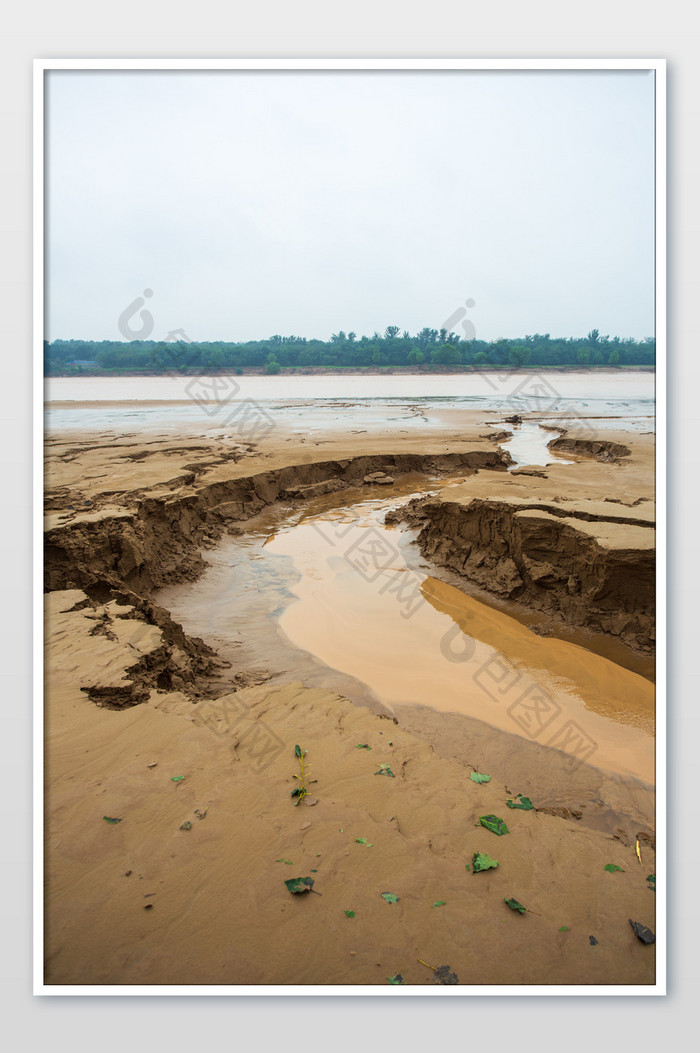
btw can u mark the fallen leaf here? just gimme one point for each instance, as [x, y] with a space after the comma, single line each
[287, 861]
[481, 861]
[476, 776]
[442, 975]
[300, 884]
[439, 902]
[384, 769]
[177, 778]
[363, 746]
[398, 979]
[297, 751]
[187, 825]
[612, 867]
[593, 941]
[494, 824]
[564, 928]
[514, 905]
[390, 897]
[644, 934]
[200, 815]
[651, 878]
[363, 841]
[111, 819]
[521, 802]
[349, 913]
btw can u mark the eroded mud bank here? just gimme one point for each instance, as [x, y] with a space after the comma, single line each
[159, 541]
[118, 554]
[575, 560]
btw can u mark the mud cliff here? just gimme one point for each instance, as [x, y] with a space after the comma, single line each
[158, 540]
[576, 560]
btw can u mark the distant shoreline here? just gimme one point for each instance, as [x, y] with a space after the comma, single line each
[374, 371]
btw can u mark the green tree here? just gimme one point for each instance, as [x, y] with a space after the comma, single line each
[415, 357]
[583, 356]
[614, 358]
[520, 356]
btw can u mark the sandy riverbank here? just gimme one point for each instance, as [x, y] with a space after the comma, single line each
[133, 702]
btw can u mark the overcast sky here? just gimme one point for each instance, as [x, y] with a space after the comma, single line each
[255, 203]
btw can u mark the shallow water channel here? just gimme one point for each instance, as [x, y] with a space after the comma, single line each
[331, 596]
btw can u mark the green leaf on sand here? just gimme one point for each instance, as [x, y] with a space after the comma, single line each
[494, 824]
[300, 884]
[476, 776]
[398, 979]
[564, 928]
[177, 778]
[521, 802]
[612, 867]
[651, 878]
[363, 841]
[297, 751]
[390, 897]
[384, 769]
[187, 825]
[349, 913]
[363, 746]
[514, 905]
[287, 861]
[480, 861]
[111, 819]
[439, 902]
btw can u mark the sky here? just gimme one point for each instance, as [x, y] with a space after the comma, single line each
[252, 203]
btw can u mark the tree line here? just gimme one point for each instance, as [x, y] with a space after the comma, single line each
[429, 349]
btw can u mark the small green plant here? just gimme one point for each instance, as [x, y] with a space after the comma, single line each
[300, 791]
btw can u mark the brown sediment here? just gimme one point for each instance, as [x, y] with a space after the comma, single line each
[221, 913]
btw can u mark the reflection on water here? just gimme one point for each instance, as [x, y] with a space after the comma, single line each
[335, 593]
[529, 445]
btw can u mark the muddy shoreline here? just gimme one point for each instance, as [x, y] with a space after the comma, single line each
[127, 518]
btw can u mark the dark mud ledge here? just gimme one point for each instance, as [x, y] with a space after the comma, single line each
[159, 541]
[125, 554]
[599, 449]
[589, 570]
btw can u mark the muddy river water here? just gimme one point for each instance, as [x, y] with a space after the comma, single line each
[333, 596]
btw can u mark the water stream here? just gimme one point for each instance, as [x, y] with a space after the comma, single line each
[332, 596]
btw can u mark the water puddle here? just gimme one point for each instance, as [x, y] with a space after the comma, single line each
[529, 445]
[334, 597]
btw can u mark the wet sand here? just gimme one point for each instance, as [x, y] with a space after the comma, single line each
[218, 908]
